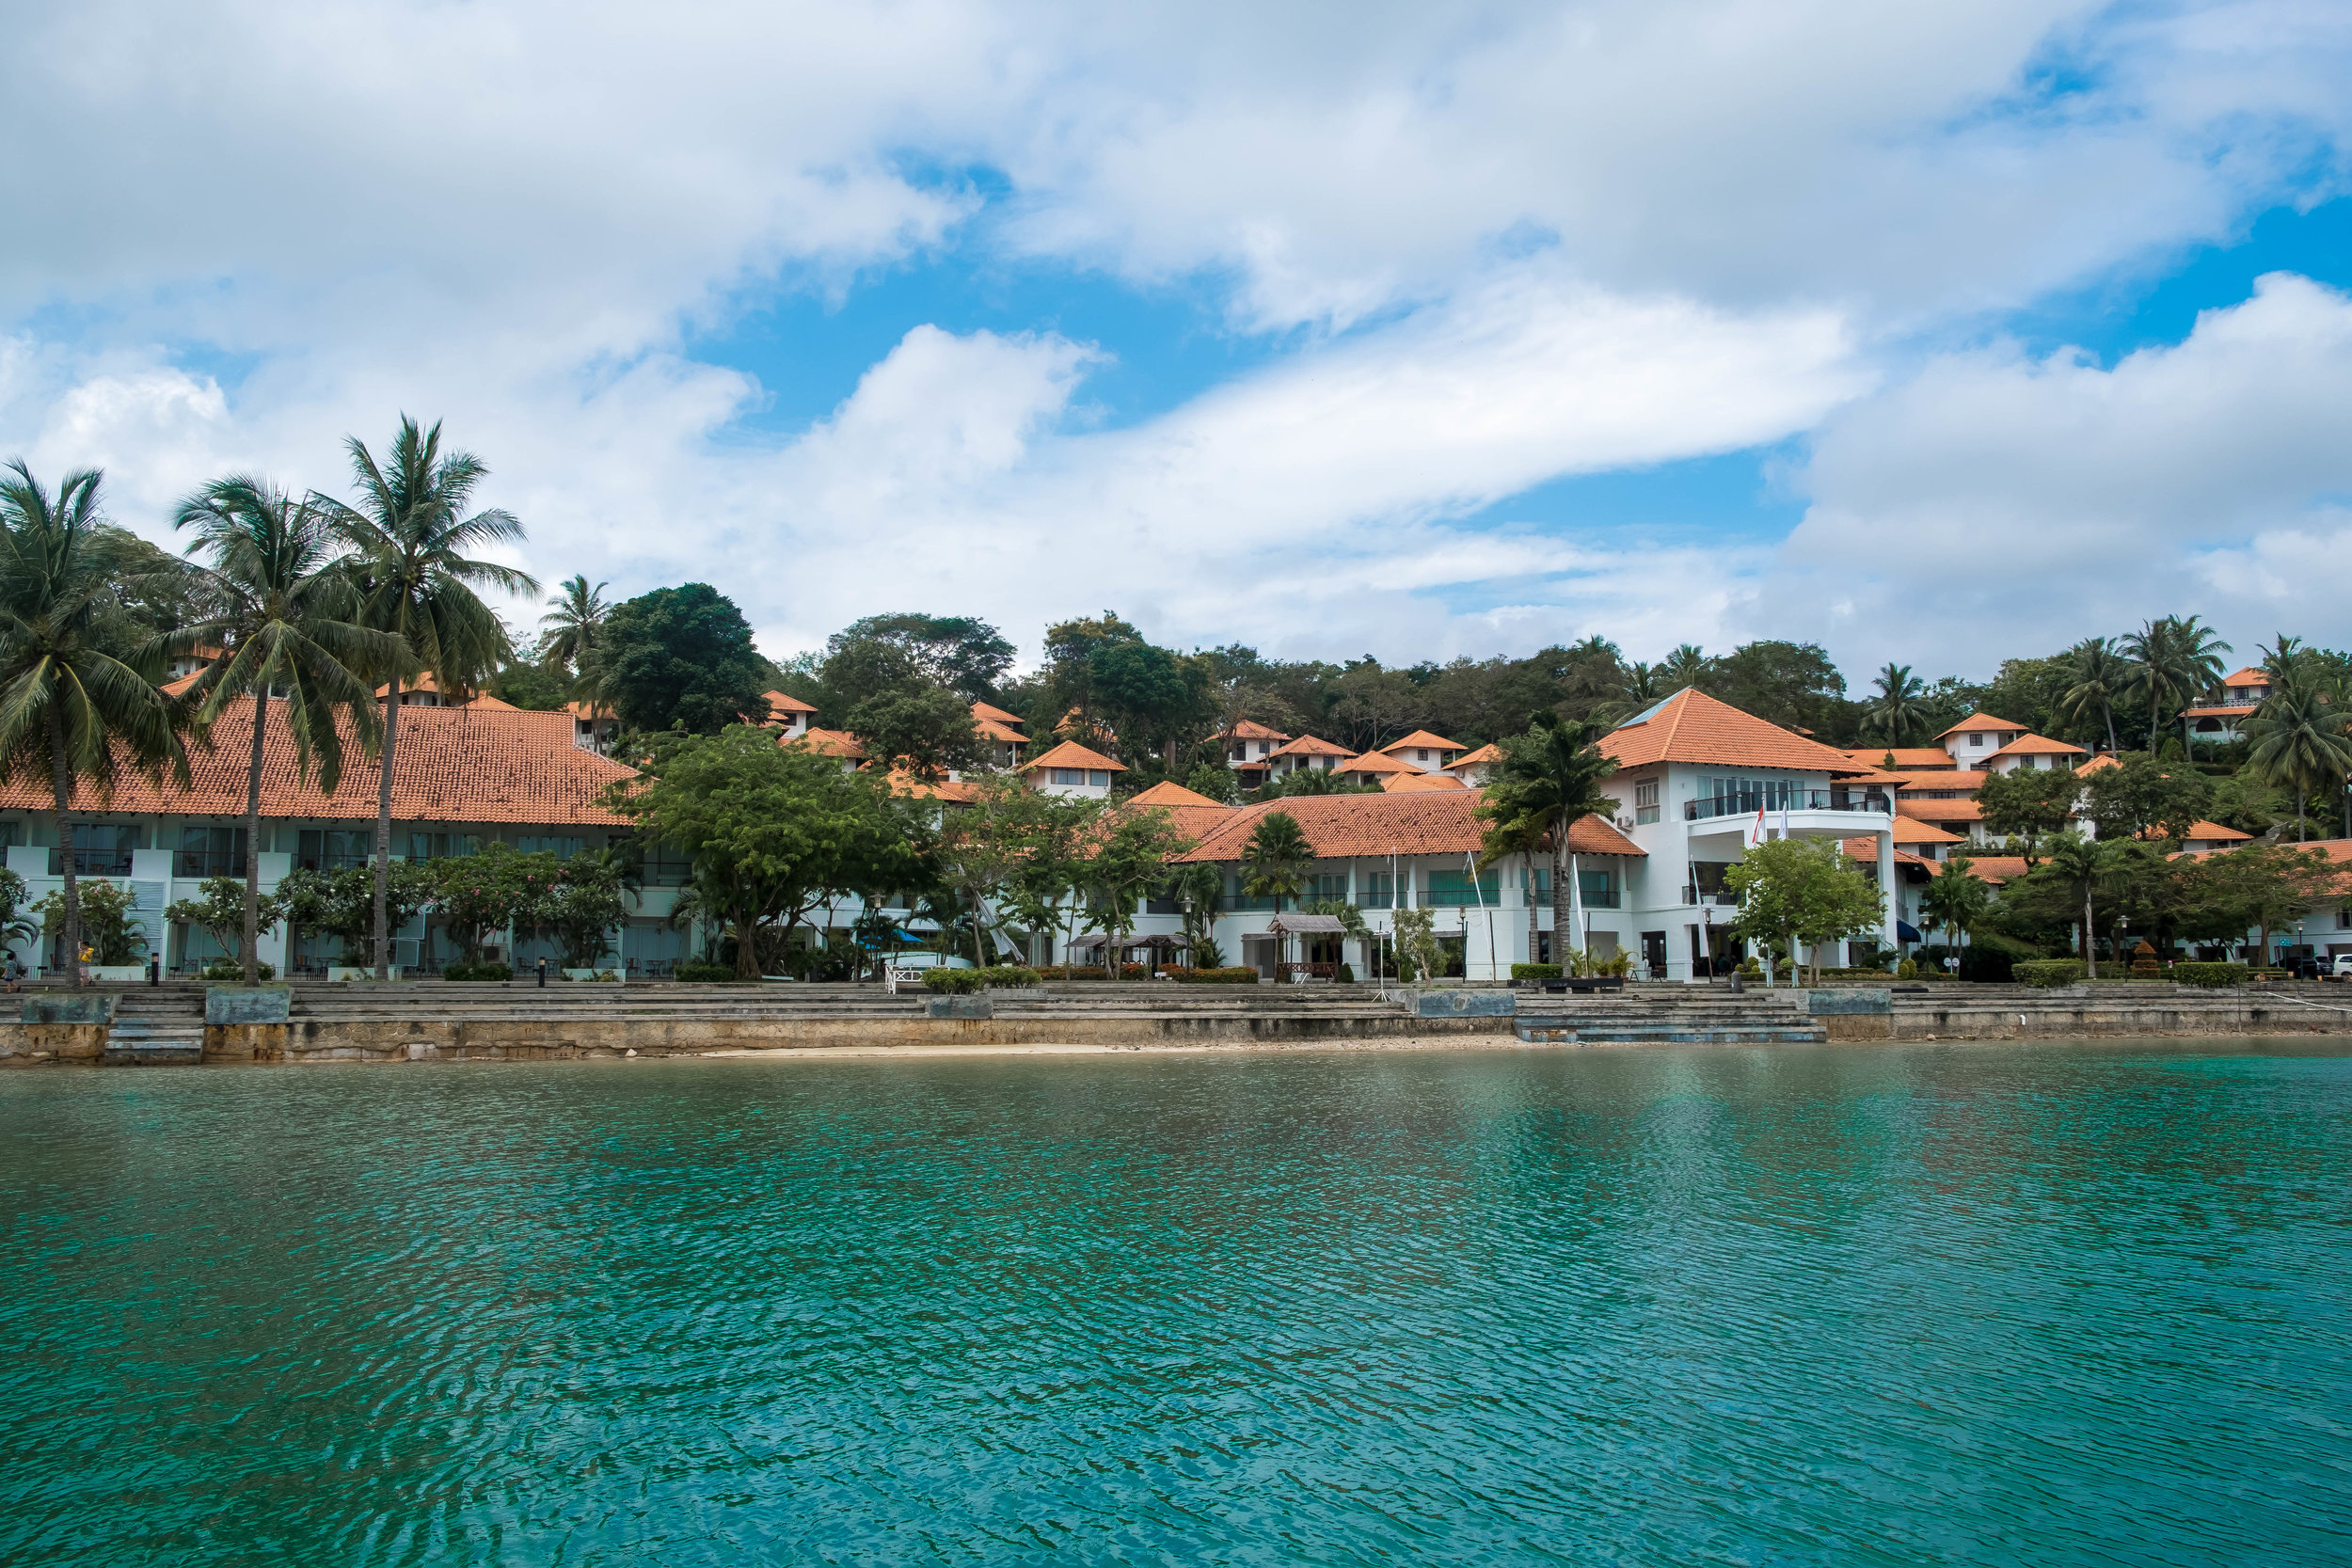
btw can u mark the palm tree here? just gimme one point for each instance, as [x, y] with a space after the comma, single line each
[2174, 661]
[2086, 865]
[570, 633]
[1545, 780]
[1275, 859]
[1900, 712]
[2297, 740]
[280, 603]
[1642, 685]
[1686, 666]
[411, 530]
[1956, 900]
[2100, 675]
[71, 705]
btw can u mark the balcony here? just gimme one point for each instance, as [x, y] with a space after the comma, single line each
[1720, 900]
[1795, 800]
[207, 862]
[1603, 899]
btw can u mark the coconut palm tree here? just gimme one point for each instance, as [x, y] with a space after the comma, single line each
[1956, 900]
[570, 633]
[2297, 740]
[1686, 666]
[2174, 661]
[2086, 865]
[411, 530]
[2099, 676]
[1900, 712]
[1545, 780]
[280, 603]
[1275, 860]
[71, 706]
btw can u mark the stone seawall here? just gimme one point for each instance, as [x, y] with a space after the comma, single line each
[2071, 1015]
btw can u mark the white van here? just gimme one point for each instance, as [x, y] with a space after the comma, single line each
[2340, 967]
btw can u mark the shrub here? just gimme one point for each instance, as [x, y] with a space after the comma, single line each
[1347, 974]
[1214, 976]
[1907, 970]
[705, 974]
[1534, 971]
[232, 972]
[2048, 972]
[477, 972]
[2215, 977]
[962, 981]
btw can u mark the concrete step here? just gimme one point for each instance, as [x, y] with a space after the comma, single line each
[131, 1042]
[1548, 1032]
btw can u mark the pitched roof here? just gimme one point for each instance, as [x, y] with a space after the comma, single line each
[2250, 675]
[1995, 868]
[1422, 822]
[471, 763]
[1941, 811]
[1691, 726]
[1867, 851]
[1925, 759]
[828, 743]
[997, 729]
[1402, 783]
[1423, 739]
[1909, 830]
[2038, 746]
[1962, 781]
[1168, 792]
[2222, 710]
[783, 705]
[1487, 753]
[2205, 829]
[1071, 754]
[996, 715]
[1310, 746]
[1249, 729]
[954, 791]
[1373, 762]
[2105, 759]
[1982, 721]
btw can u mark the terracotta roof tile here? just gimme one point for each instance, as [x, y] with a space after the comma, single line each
[2105, 759]
[471, 763]
[782, 705]
[2225, 710]
[830, 743]
[1940, 811]
[994, 730]
[1071, 754]
[1691, 726]
[1168, 792]
[1982, 721]
[1405, 783]
[1428, 822]
[2213, 831]
[2038, 746]
[1309, 745]
[2248, 677]
[996, 715]
[1249, 729]
[1424, 740]
[1907, 758]
[1487, 754]
[1997, 869]
[1373, 762]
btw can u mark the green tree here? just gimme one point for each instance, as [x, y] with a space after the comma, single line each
[923, 730]
[982, 845]
[109, 928]
[1688, 665]
[71, 706]
[2031, 800]
[1794, 685]
[275, 598]
[682, 658]
[571, 634]
[1800, 892]
[1275, 859]
[2297, 740]
[2268, 885]
[233, 915]
[2083, 865]
[1956, 900]
[14, 927]
[342, 903]
[1417, 944]
[1899, 714]
[966, 656]
[2174, 660]
[2139, 793]
[2098, 678]
[411, 531]
[774, 831]
[498, 888]
[1545, 781]
[587, 902]
[1124, 863]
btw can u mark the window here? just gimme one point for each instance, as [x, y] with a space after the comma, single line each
[439, 846]
[319, 850]
[1645, 801]
[1421, 756]
[100, 849]
[665, 867]
[1454, 890]
[1327, 884]
[1379, 891]
[1262, 747]
[1976, 737]
[563, 847]
[1068, 775]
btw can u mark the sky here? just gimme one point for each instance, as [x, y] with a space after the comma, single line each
[1938, 333]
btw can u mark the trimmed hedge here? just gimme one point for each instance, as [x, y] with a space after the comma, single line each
[233, 972]
[705, 974]
[477, 972]
[1534, 971]
[1236, 977]
[2048, 972]
[963, 982]
[2215, 977]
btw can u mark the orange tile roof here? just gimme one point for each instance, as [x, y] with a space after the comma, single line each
[179, 686]
[994, 730]
[1168, 792]
[829, 743]
[1964, 780]
[1404, 784]
[2248, 677]
[781, 706]
[1941, 811]
[1995, 868]
[2105, 759]
[1425, 822]
[2226, 710]
[1909, 830]
[1423, 739]
[1249, 729]
[1867, 851]
[1309, 745]
[1071, 754]
[996, 715]
[1691, 726]
[1487, 753]
[2038, 746]
[2202, 829]
[471, 763]
[954, 792]
[1982, 721]
[1373, 762]
[1927, 759]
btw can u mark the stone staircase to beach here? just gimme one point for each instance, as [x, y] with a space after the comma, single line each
[157, 1026]
[1667, 1015]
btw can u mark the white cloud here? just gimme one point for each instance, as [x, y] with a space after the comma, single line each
[2041, 500]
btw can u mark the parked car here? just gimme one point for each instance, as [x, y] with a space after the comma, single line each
[2340, 967]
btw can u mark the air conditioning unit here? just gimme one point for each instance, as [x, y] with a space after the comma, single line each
[1625, 824]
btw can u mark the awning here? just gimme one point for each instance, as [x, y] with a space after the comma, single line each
[1089, 942]
[1903, 931]
[1303, 925]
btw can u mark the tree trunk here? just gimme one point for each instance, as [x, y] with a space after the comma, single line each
[2301, 833]
[61, 780]
[978, 958]
[252, 953]
[2090, 940]
[384, 831]
[1534, 928]
[2112, 747]
[747, 948]
[1563, 939]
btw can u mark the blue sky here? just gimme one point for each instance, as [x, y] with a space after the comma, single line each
[1941, 334]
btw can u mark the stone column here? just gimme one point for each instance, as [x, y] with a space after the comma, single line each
[1889, 901]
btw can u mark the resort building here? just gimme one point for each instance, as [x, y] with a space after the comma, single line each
[2242, 692]
[1474, 767]
[1430, 753]
[789, 714]
[1070, 769]
[1972, 742]
[1306, 755]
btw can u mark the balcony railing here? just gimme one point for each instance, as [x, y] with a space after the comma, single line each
[207, 863]
[92, 863]
[1607, 898]
[1795, 800]
[1717, 899]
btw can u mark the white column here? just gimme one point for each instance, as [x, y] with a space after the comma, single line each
[1888, 900]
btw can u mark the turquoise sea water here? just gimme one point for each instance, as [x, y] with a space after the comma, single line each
[1956, 1304]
